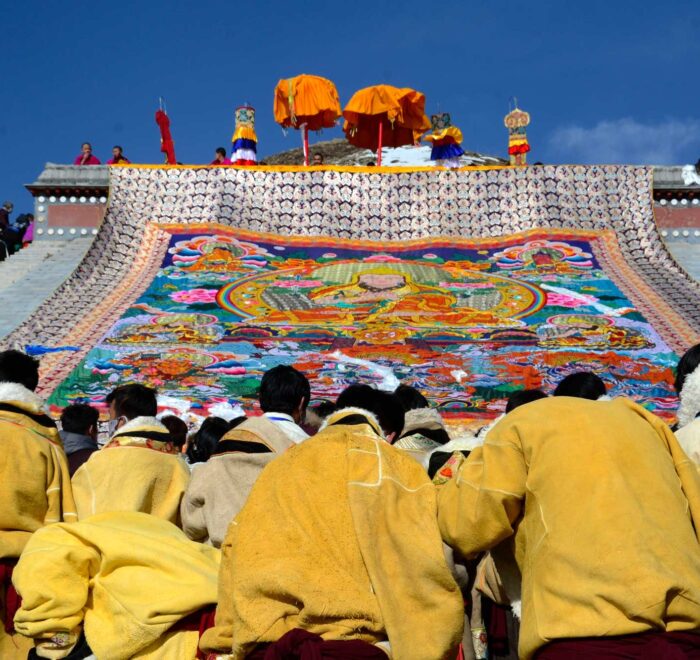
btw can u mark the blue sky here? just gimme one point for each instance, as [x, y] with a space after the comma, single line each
[612, 81]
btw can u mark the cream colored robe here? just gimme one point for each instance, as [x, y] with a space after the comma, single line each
[339, 537]
[604, 506]
[219, 488]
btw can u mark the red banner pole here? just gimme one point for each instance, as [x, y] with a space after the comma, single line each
[379, 148]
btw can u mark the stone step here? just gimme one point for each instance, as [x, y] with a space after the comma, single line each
[33, 274]
[687, 254]
[21, 263]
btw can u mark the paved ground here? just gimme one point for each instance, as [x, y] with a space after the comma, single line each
[28, 278]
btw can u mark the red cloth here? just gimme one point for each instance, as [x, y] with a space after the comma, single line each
[93, 160]
[13, 600]
[121, 161]
[497, 629]
[225, 161]
[299, 644]
[167, 144]
[518, 149]
[644, 646]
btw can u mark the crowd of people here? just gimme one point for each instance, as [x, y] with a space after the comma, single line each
[86, 157]
[14, 235]
[566, 528]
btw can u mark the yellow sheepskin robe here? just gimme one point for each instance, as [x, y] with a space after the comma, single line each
[604, 506]
[126, 578]
[339, 537]
[35, 485]
[138, 470]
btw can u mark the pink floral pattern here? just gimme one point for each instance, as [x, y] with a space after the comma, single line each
[190, 296]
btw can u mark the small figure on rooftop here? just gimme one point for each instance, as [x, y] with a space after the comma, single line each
[118, 157]
[86, 157]
[220, 157]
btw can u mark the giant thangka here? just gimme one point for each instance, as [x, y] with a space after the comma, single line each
[465, 283]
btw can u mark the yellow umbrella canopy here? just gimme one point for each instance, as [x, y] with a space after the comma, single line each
[309, 100]
[397, 113]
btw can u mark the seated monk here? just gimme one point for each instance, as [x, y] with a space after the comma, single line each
[337, 549]
[139, 469]
[34, 478]
[117, 585]
[219, 488]
[603, 507]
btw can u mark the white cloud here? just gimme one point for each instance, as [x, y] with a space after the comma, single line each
[628, 141]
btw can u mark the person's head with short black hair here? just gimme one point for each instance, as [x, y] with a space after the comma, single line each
[411, 398]
[80, 418]
[317, 158]
[221, 152]
[284, 389]
[204, 442]
[20, 368]
[177, 428]
[686, 365]
[316, 414]
[583, 385]
[521, 397]
[131, 401]
[324, 408]
[385, 406]
[24, 220]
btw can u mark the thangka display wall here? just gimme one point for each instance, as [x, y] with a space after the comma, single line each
[467, 284]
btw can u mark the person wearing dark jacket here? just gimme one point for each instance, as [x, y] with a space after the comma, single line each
[8, 236]
[79, 433]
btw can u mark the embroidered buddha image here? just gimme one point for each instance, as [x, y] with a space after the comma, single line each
[384, 295]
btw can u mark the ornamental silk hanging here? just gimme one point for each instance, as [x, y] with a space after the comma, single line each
[244, 147]
[445, 139]
[516, 121]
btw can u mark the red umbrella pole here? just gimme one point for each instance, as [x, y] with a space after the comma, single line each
[305, 141]
[379, 147]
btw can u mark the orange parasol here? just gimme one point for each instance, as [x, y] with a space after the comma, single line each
[306, 102]
[385, 116]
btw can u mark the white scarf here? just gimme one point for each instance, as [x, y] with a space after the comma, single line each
[16, 393]
[690, 398]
